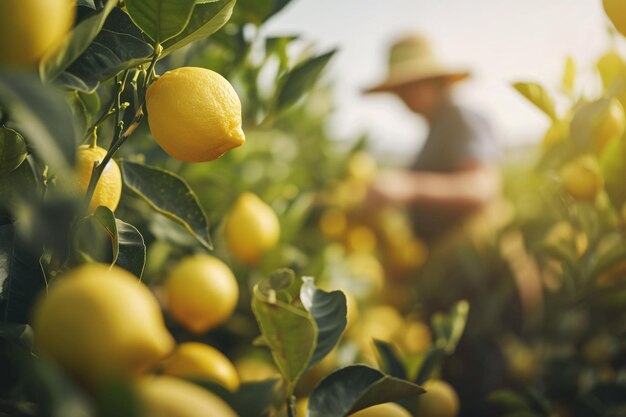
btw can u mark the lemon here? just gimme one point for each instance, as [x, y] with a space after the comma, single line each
[333, 223]
[383, 410]
[616, 11]
[201, 292]
[582, 178]
[362, 167]
[194, 114]
[197, 360]
[99, 322]
[301, 407]
[252, 228]
[251, 369]
[440, 400]
[414, 337]
[30, 28]
[109, 188]
[170, 397]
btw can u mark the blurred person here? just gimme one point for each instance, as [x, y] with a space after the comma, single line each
[454, 174]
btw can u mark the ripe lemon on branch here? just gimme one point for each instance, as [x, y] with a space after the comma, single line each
[99, 322]
[194, 114]
[616, 11]
[383, 410]
[197, 360]
[201, 292]
[30, 28]
[582, 178]
[170, 397]
[252, 228]
[440, 400]
[109, 189]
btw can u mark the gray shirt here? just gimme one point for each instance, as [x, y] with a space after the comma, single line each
[458, 137]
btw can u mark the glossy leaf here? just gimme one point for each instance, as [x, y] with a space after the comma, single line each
[96, 237]
[206, 19]
[329, 311]
[389, 360]
[353, 388]
[75, 43]
[132, 249]
[538, 96]
[449, 327]
[41, 114]
[301, 79]
[160, 19]
[252, 399]
[169, 195]
[21, 277]
[287, 329]
[118, 46]
[18, 183]
[12, 150]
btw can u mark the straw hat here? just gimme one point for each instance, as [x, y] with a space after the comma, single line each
[411, 59]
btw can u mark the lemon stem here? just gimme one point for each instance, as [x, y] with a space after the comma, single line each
[291, 406]
[121, 135]
[94, 138]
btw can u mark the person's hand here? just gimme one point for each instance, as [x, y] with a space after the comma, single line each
[390, 187]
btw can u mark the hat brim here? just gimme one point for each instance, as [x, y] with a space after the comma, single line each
[390, 85]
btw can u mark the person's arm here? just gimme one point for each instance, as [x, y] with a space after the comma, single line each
[466, 189]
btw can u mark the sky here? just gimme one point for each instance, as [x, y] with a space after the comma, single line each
[500, 41]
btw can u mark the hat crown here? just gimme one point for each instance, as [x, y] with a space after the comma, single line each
[411, 48]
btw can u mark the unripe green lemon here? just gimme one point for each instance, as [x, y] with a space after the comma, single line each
[98, 322]
[194, 114]
[201, 292]
[252, 228]
[31, 28]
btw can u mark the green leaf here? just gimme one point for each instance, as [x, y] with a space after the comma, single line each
[169, 195]
[449, 328]
[41, 114]
[389, 360]
[96, 237]
[132, 249]
[18, 183]
[53, 64]
[432, 361]
[206, 19]
[569, 76]
[118, 46]
[587, 122]
[302, 78]
[329, 311]
[160, 19]
[257, 12]
[12, 150]
[509, 401]
[353, 388]
[292, 220]
[252, 399]
[538, 96]
[21, 277]
[289, 331]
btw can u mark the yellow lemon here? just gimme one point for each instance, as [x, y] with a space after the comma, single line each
[301, 407]
[201, 292]
[251, 369]
[333, 223]
[414, 337]
[582, 178]
[171, 397]
[30, 28]
[97, 322]
[616, 11]
[109, 188]
[383, 410]
[362, 167]
[197, 360]
[194, 114]
[440, 400]
[252, 228]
